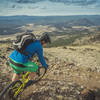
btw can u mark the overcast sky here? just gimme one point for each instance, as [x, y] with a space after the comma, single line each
[46, 7]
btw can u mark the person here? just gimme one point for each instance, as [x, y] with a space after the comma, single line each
[20, 62]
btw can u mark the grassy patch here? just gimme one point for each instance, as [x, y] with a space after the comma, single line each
[65, 41]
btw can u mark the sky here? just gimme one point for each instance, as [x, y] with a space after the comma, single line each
[48, 8]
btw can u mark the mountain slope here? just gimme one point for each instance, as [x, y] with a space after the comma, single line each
[69, 73]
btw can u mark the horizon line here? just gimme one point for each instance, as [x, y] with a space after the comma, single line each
[51, 15]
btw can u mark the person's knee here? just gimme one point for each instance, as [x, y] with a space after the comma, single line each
[15, 77]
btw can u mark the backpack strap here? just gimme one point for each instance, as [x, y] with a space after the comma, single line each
[23, 51]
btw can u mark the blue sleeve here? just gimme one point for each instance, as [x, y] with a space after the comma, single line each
[41, 57]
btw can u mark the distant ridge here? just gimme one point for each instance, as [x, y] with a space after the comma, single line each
[49, 19]
[11, 24]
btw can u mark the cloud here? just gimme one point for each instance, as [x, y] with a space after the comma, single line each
[49, 7]
[79, 2]
[28, 1]
[13, 6]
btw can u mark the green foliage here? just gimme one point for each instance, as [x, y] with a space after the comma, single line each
[66, 41]
[95, 38]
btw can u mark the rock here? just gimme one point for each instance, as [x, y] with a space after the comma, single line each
[88, 95]
[82, 87]
[64, 47]
[59, 97]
